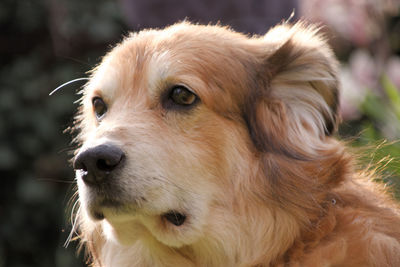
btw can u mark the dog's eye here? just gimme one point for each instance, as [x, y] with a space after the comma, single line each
[99, 107]
[182, 96]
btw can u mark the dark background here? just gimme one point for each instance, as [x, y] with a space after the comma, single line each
[44, 43]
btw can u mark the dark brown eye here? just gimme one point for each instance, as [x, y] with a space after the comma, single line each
[99, 107]
[182, 96]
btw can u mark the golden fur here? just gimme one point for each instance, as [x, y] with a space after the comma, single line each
[253, 165]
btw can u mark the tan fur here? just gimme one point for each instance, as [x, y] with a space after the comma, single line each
[253, 164]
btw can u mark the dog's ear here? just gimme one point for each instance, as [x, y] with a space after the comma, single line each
[294, 103]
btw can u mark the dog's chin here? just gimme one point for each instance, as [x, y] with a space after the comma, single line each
[125, 224]
[123, 229]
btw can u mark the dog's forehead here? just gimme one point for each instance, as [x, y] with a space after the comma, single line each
[202, 58]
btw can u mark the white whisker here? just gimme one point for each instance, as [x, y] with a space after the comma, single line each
[65, 84]
[74, 218]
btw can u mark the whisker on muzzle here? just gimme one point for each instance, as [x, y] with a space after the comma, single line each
[74, 219]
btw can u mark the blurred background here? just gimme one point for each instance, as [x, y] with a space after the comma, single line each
[44, 43]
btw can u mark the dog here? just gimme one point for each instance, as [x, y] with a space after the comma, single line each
[201, 146]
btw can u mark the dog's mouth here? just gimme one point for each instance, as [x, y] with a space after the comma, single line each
[175, 217]
[98, 215]
[98, 210]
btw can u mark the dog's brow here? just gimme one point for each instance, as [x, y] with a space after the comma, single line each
[159, 68]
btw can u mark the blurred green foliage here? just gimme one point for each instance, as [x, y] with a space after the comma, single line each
[367, 134]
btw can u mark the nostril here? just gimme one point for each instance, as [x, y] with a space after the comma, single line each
[105, 165]
[78, 163]
[83, 167]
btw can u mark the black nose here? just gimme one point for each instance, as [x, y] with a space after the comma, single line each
[98, 162]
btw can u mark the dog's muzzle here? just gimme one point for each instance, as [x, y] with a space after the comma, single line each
[98, 163]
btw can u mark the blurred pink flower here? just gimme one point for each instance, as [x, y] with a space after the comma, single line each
[364, 69]
[352, 94]
[357, 78]
[393, 70]
[357, 21]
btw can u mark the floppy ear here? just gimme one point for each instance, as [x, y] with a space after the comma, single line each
[294, 104]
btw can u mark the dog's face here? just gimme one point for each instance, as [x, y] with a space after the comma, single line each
[177, 125]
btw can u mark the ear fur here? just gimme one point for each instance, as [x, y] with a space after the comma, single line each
[295, 102]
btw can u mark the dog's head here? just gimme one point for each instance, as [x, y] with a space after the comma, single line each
[184, 131]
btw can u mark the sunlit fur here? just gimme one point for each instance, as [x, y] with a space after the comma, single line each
[253, 164]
